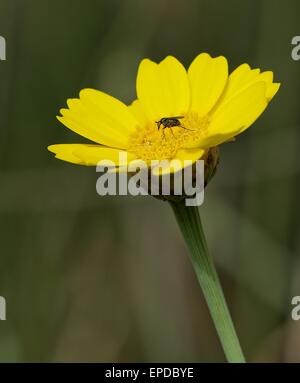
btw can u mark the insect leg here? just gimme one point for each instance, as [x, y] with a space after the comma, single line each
[183, 127]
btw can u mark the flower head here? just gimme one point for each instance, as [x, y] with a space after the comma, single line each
[178, 114]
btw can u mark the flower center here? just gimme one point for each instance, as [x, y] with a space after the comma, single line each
[150, 143]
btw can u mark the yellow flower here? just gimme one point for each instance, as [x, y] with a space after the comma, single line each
[209, 106]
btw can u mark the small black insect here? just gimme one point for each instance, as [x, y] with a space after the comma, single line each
[170, 122]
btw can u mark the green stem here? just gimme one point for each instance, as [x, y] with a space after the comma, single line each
[189, 222]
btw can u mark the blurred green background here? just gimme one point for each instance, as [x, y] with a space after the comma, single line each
[109, 279]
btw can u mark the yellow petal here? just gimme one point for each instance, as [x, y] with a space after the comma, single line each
[236, 115]
[129, 167]
[272, 90]
[137, 110]
[90, 155]
[242, 77]
[64, 152]
[100, 118]
[178, 162]
[208, 77]
[163, 89]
